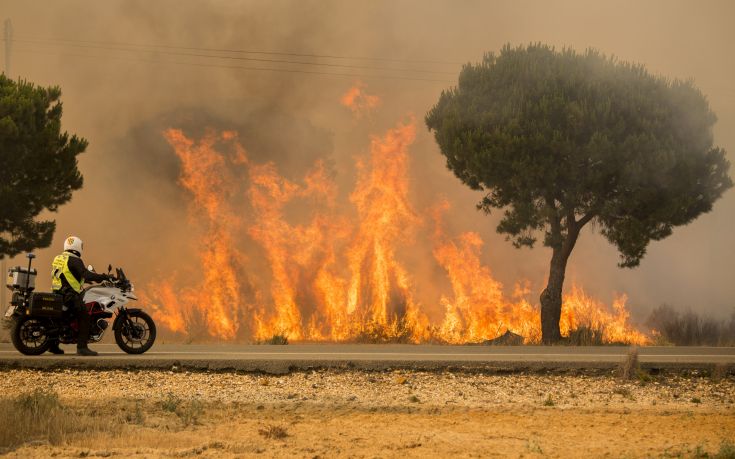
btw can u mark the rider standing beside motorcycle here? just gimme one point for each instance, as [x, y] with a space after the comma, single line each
[68, 275]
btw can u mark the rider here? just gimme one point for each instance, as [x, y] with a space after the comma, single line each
[68, 274]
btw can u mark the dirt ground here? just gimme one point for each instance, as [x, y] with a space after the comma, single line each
[388, 414]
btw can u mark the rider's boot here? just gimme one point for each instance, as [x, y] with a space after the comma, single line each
[83, 336]
[55, 349]
[85, 351]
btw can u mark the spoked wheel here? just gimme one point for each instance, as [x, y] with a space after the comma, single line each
[135, 333]
[30, 336]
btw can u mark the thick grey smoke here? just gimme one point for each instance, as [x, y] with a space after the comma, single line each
[122, 105]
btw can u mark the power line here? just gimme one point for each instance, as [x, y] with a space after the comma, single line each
[240, 58]
[236, 67]
[244, 51]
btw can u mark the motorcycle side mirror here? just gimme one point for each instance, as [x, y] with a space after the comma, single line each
[109, 269]
[31, 256]
[90, 268]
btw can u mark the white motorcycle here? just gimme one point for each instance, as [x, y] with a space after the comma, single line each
[39, 319]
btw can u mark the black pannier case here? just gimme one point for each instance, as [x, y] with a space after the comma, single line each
[46, 305]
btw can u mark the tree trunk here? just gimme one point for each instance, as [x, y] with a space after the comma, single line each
[551, 298]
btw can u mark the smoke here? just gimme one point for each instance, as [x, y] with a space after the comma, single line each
[133, 213]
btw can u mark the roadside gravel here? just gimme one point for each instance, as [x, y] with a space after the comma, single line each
[382, 389]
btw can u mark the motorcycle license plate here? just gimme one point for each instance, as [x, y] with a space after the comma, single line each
[10, 311]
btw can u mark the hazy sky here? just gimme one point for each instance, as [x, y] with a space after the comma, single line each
[131, 212]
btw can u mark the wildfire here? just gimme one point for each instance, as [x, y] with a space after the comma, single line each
[218, 301]
[359, 101]
[335, 272]
[477, 309]
[580, 310]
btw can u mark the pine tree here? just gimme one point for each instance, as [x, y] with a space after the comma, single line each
[38, 164]
[559, 139]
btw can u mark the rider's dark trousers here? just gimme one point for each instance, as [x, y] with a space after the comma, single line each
[73, 301]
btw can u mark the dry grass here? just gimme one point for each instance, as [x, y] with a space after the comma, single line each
[39, 416]
[624, 391]
[278, 339]
[188, 411]
[727, 451]
[399, 331]
[585, 336]
[630, 368]
[273, 432]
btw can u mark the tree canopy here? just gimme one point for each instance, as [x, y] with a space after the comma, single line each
[38, 164]
[558, 139]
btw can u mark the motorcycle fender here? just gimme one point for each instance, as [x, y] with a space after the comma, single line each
[121, 316]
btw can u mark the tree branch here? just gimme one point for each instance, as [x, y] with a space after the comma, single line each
[586, 219]
[571, 221]
[554, 222]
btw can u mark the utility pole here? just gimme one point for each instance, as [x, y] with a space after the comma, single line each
[8, 43]
[4, 261]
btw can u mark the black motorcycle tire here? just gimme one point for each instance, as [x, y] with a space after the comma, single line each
[18, 343]
[120, 339]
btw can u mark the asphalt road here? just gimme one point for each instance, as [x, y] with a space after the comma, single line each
[280, 359]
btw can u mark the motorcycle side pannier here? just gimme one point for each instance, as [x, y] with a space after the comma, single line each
[46, 305]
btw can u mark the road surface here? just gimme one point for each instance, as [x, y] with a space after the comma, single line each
[281, 359]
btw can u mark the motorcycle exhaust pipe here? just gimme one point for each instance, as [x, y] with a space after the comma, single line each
[102, 325]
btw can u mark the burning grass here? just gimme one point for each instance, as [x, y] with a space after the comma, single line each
[277, 340]
[585, 336]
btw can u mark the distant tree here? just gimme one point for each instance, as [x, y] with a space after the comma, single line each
[559, 139]
[38, 164]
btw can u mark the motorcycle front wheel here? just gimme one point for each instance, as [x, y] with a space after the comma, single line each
[135, 333]
[30, 336]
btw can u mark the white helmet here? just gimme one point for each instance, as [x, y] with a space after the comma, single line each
[73, 244]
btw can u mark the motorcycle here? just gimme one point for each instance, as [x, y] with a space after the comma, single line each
[40, 318]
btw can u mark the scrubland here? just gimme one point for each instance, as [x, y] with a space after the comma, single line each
[332, 413]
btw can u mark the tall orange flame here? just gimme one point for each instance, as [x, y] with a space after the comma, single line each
[331, 270]
[217, 302]
[359, 101]
[386, 219]
[478, 309]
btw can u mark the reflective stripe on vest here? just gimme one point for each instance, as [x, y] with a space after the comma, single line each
[59, 267]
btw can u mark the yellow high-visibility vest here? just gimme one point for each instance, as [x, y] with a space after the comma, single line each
[60, 267]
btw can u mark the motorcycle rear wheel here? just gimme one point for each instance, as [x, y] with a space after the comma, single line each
[138, 335]
[29, 336]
